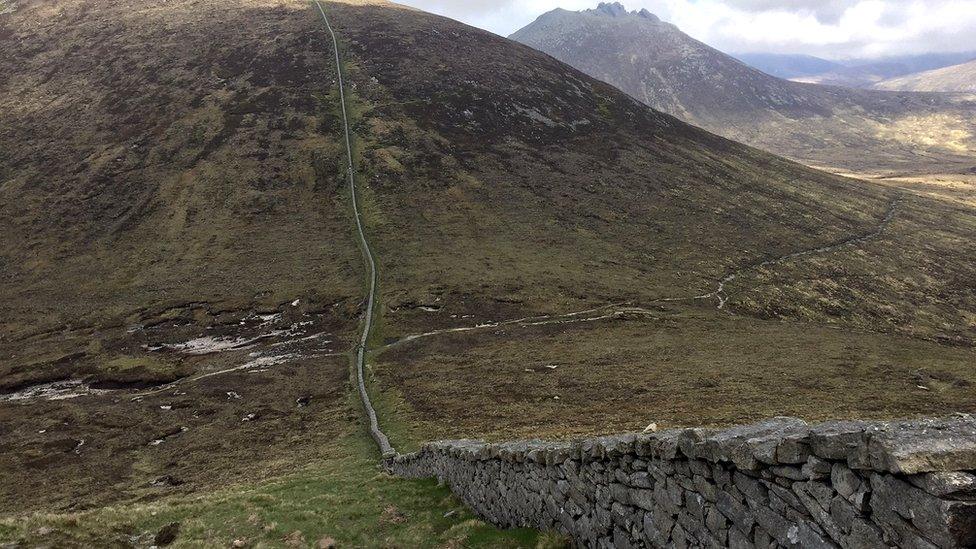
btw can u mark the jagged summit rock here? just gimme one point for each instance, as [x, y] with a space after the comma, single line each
[616, 9]
[647, 15]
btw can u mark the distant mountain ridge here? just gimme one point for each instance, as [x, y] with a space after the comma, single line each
[788, 66]
[658, 64]
[865, 73]
[957, 78]
[852, 73]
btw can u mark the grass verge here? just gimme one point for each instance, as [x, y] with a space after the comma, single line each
[344, 497]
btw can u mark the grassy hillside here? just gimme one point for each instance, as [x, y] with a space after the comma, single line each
[153, 158]
[183, 286]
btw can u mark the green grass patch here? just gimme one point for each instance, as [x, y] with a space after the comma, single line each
[345, 497]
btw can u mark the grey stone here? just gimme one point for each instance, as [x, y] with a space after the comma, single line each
[681, 468]
[953, 485]
[679, 539]
[944, 523]
[836, 440]
[722, 476]
[664, 523]
[843, 514]
[792, 473]
[804, 534]
[700, 468]
[663, 499]
[675, 492]
[695, 504]
[620, 493]
[864, 535]
[751, 487]
[775, 524]
[816, 469]
[692, 528]
[621, 539]
[739, 514]
[689, 442]
[924, 446]
[787, 496]
[662, 445]
[705, 488]
[641, 479]
[717, 524]
[844, 480]
[761, 538]
[619, 514]
[738, 540]
[643, 499]
[748, 445]
[793, 450]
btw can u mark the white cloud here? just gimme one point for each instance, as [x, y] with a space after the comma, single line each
[830, 28]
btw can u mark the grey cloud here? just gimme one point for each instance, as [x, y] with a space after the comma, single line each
[827, 12]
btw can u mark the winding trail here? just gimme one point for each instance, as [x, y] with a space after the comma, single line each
[723, 297]
[243, 368]
[378, 435]
[617, 310]
[604, 312]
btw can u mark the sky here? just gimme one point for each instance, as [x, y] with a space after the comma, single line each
[834, 29]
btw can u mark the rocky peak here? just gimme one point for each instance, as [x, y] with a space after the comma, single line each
[647, 15]
[616, 9]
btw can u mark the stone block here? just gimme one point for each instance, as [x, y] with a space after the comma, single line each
[716, 523]
[641, 479]
[844, 481]
[816, 469]
[923, 446]
[643, 498]
[947, 485]
[785, 471]
[943, 523]
[704, 487]
[695, 504]
[794, 449]
[734, 511]
[787, 496]
[738, 540]
[622, 540]
[837, 440]
[808, 536]
[752, 488]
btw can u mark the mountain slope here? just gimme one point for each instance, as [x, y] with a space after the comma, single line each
[659, 65]
[788, 66]
[958, 78]
[182, 257]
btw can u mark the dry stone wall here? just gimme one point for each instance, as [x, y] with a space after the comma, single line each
[779, 483]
